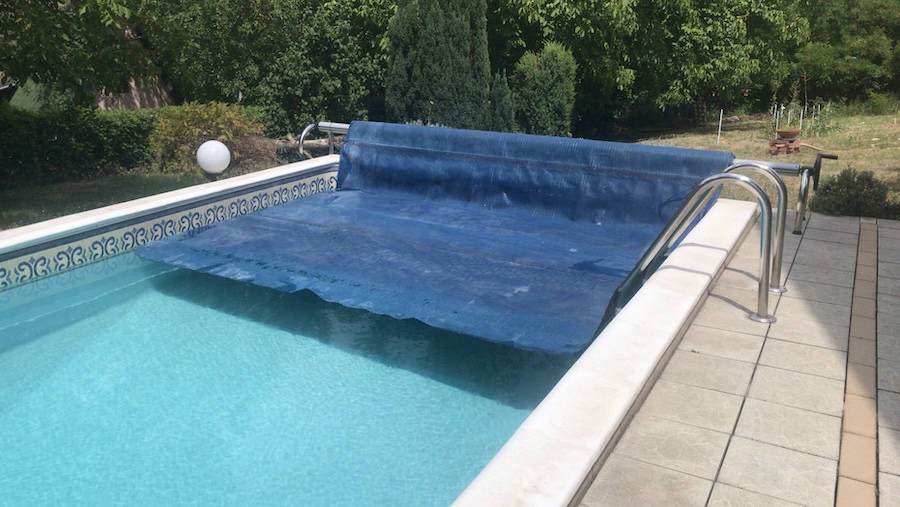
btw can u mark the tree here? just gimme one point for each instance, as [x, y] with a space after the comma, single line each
[713, 52]
[438, 70]
[300, 61]
[545, 91]
[502, 112]
[854, 49]
[79, 47]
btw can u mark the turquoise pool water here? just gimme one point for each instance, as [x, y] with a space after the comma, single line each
[125, 382]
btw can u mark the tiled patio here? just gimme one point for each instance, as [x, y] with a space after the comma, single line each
[782, 414]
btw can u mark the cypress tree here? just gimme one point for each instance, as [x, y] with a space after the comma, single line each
[439, 72]
[502, 113]
[544, 86]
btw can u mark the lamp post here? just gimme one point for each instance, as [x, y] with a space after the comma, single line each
[213, 157]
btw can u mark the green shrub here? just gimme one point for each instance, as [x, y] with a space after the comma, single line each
[68, 143]
[544, 91]
[854, 193]
[179, 130]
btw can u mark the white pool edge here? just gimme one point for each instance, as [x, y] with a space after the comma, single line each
[556, 453]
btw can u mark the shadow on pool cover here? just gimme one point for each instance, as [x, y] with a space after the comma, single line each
[515, 239]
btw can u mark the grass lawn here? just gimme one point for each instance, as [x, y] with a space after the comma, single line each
[22, 206]
[865, 143]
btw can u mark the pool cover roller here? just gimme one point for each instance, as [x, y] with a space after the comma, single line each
[512, 238]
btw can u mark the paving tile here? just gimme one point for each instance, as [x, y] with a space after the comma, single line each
[792, 428]
[842, 224]
[673, 445]
[889, 451]
[827, 256]
[889, 376]
[838, 315]
[890, 286]
[888, 269]
[717, 342]
[888, 304]
[888, 490]
[887, 325]
[820, 292]
[858, 458]
[810, 332]
[888, 409]
[813, 273]
[888, 346]
[800, 390]
[868, 244]
[863, 327]
[724, 313]
[866, 288]
[860, 415]
[851, 493]
[848, 238]
[623, 481]
[861, 380]
[864, 306]
[866, 259]
[779, 472]
[867, 273]
[724, 495]
[739, 278]
[861, 351]
[804, 359]
[716, 373]
[705, 408]
[889, 243]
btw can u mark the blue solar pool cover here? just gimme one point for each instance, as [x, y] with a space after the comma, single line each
[511, 238]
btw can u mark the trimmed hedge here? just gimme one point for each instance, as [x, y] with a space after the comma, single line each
[70, 143]
[76, 143]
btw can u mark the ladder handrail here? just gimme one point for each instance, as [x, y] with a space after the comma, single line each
[689, 210]
[330, 127]
[805, 173]
[780, 215]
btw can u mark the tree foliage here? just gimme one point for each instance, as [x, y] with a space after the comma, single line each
[854, 49]
[80, 47]
[300, 61]
[669, 52]
[432, 60]
[439, 71]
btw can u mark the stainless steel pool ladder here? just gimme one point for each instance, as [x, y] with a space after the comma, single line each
[780, 217]
[331, 128]
[690, 208]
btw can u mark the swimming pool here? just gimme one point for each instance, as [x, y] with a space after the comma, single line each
[552, 455]
[128, 382]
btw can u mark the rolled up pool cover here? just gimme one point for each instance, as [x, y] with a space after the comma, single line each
[511, 238]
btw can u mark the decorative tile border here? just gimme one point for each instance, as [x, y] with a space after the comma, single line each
[91, 247]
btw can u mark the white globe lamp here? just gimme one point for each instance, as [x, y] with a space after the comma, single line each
[213, 157]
